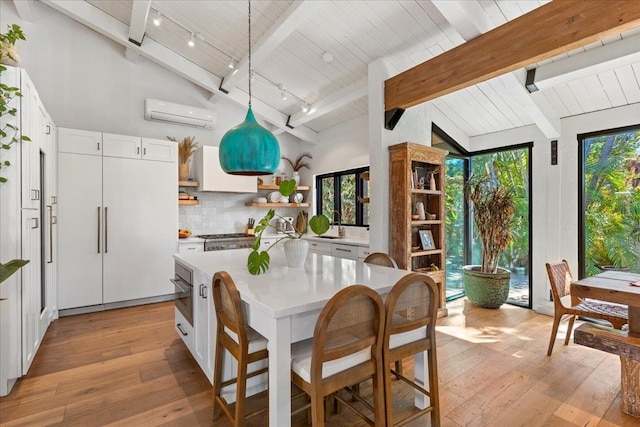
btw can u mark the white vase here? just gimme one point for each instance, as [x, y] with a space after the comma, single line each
[295, 250]
[296, 177]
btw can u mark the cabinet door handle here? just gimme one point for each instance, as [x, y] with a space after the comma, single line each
[55, 219]
[98, 146]
[35, 194]
[144, 151]
[203, 291]
[98, 229]
[343, 250]
[106, 235]
[50, 209]
[36, 223]
[137, 150]
[48, 130]
[179, 326]
[54, 200]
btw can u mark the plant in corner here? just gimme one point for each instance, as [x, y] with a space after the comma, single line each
[258, 261]
[487, 285]
[8, 131]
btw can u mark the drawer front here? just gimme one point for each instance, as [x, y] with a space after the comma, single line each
[344, 251]
[363, 252]
[320, 247]
[184, 330]
[191, 247]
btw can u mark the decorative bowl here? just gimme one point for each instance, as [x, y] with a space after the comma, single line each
[430, 216]
[415, 217]
[414, 248]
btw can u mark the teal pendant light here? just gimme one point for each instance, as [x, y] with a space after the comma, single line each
[249, 149]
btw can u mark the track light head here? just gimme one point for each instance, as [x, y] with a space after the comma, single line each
[305, 108]
[232, 63]
[192, 40]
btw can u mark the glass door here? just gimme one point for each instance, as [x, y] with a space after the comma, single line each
[456, 225]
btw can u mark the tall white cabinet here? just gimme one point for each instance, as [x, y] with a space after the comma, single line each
[28, 231]
[118, 217]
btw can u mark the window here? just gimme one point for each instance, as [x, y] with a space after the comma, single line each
[345, 193]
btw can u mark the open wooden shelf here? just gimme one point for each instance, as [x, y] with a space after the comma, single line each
[430, 252]
[187, 183]
[277, 187]
[422, 191]
[427, 222]
[188, 202]
[277, 205]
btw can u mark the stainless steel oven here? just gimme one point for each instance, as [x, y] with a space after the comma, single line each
[183, 282]
[221, 242]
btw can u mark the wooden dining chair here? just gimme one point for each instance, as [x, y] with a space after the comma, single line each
[560, 278]
[242, 342]
[346, 348]
[380, 258]
[411, 309]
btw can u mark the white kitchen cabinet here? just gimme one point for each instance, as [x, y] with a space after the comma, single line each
[157, 149]
[344, 251]
[140, 222]
[320, 247]
[184, 330]
[117, 221]
[25, 232]
[204, 320]
[79, 142]
[121, 146]
[211, 177]
[80, 226]
[186, 247]
[363, 252]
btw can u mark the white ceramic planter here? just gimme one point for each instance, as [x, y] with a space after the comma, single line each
[295, 250]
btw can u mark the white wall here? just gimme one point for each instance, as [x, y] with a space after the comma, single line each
[85, 82]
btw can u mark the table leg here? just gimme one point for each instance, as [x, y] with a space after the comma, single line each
[280, 373]
[634, 321]
[421, 377]
[630, 373]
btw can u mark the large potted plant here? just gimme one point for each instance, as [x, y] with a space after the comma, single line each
[487, 285]
[8, 54]
[295, 247]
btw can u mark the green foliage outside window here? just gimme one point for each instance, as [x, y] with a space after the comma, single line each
[612, 201]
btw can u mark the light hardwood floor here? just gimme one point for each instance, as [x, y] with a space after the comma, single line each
[128, 367]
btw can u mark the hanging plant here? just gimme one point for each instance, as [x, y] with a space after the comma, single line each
[8, 132]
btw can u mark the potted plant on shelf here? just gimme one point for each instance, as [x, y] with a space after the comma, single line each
[186, 148]
[8, 54]
[487, 285]
[295, 247]
[298, 164]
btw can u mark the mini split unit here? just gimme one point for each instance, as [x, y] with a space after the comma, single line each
[178, 114]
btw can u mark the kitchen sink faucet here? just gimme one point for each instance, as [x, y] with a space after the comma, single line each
[341, 232]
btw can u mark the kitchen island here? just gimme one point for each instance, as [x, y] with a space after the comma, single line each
[283, 305]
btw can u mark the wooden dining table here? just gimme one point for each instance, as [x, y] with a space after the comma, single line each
[616, 287]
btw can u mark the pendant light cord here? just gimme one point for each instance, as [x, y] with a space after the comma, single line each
[250, 70]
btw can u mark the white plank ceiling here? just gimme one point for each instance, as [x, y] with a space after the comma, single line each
[356, 33]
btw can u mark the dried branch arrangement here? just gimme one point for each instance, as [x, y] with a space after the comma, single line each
[299, 163]
[186, 148]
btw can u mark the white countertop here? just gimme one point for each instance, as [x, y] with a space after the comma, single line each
[353, 241]
[190, 240]
[284, 291]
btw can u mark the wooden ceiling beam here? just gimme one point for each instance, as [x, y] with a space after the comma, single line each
[554, 28]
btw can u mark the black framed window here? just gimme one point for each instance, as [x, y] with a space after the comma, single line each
[343, 196]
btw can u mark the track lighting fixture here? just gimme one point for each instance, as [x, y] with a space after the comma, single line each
[232, 63]
[283, 91]
[192, 40]
[305, 108]
[157, 20]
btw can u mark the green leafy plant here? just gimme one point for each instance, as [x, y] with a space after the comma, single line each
[7, 270]
[8, 131]
[258, 261]
[493, 215]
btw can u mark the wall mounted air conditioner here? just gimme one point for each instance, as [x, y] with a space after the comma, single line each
[178, 114]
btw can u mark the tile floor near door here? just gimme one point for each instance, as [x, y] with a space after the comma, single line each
[128, 367]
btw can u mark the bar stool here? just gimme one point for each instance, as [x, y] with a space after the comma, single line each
[242, 342]
[410, 311]
[346, 348]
